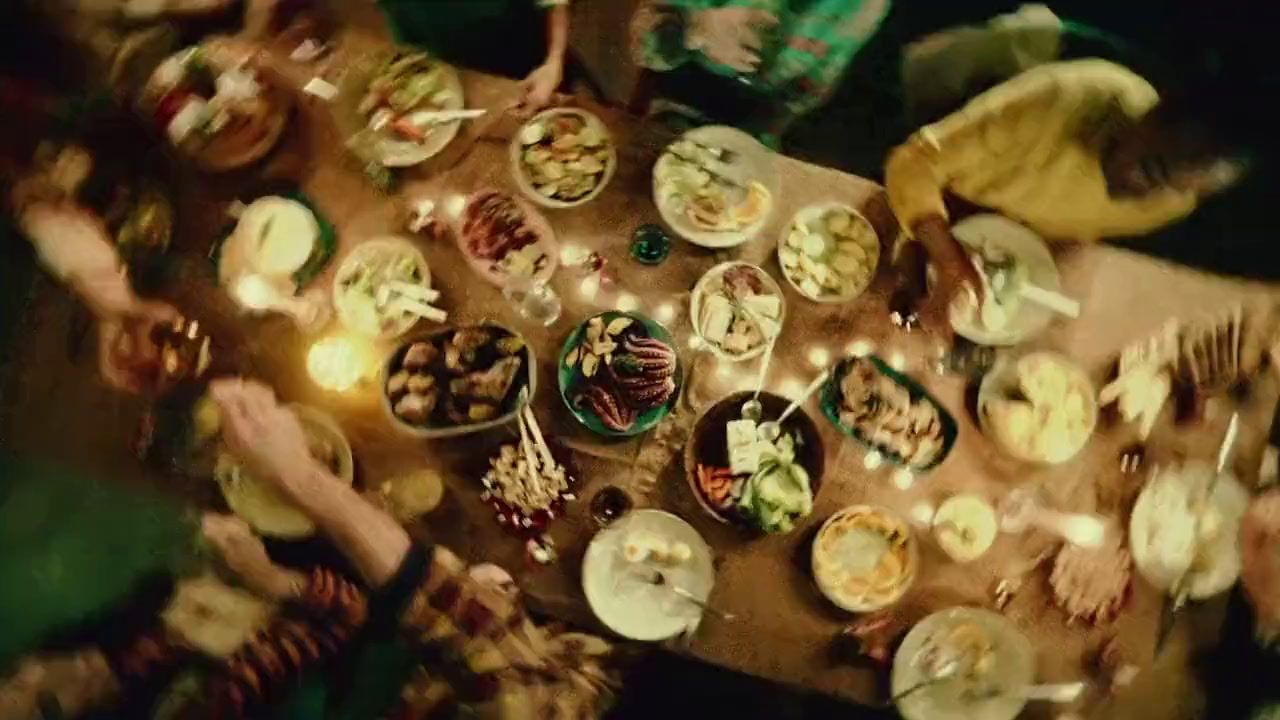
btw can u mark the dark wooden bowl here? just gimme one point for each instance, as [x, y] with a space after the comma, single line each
[707, 443]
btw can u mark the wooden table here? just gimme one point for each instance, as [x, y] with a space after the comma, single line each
[54, 406]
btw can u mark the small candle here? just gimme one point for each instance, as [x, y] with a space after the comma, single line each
[336, 364]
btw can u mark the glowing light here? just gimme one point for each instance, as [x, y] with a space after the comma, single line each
[898, 361]
[922, 514]
[453, 205]
[724, 370]
[791, 388]
[573, 254]
[627, 302]
[664, 313]
[256, 292]
[337, 363]
[819, 357]
[861, 347]
[695, 342]
[872, 460]
[588, 287]
[903, 479]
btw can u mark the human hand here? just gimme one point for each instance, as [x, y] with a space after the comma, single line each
[730, 36]
[128, 356]
[1260, 561]
[954, 273]
[539, 88]
[263, 434]
[244, 554]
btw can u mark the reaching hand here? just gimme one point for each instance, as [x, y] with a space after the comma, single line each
[954, 272]
[262, 433]
[539, 89]
[246, 556]
[730, 36]
[1260, 561]
[128, 356]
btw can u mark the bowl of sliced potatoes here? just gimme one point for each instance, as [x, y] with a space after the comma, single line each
[829, 252]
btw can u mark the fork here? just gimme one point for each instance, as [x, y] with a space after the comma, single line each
[657, 579]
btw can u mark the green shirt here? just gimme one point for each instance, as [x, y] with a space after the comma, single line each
[803, 58]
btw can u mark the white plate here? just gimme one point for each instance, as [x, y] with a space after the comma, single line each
[700, 292]
[1031, 250]
[811, 213]
[1014, 668]
[1223, 551]
[522, 180]
[1003, 379]
[362, 253]
[620, 597]
[755, 164]
[389, 149]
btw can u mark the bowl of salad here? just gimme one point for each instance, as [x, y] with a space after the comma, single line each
[563, 157]
[741, 478]
[383, 287]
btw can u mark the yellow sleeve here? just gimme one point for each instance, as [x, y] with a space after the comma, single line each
[987, 131]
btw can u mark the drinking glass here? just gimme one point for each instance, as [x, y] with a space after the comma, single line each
[533, 299]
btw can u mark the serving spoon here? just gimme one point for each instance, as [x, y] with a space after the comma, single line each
[771, 429]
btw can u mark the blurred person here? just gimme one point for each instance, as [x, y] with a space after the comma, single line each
[72, 243]
[495, 661]
[1081, 150]
[215, 649]
[498, 36]
[756, 64]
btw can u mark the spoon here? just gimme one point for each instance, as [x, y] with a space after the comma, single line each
[1058, 693]
[657, 579]
[772, 429]
[1023, 511]
[752, 409]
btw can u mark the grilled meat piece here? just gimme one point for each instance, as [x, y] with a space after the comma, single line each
[491, 384]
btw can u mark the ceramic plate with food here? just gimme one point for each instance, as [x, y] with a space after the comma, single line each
[619, 373]
[714, 186]
[503, 236]
[737, 308]
[621, 561]
[992, 661]
[281, 238]
[223, 120]
[888, 411]
[741, 477]
[386, 103]
[259, 503]
[1009, 255]
[563, 157]
[1163, 530]
[864, 558]
[383, 287]
[1039, 407]
[457, 380]
[829, 253]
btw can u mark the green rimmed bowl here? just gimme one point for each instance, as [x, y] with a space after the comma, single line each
[573, 381]
[829, 399]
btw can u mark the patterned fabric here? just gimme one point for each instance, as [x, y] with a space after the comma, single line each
[803, 59]
[487, 656]
[313, 629]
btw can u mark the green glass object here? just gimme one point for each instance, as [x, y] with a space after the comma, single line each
[650, 244]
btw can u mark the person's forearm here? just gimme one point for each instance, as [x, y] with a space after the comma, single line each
[557, 34]
[370, 538]
[73, 245]
[912, 182]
